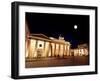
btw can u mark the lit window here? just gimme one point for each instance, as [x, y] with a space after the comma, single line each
[40, 45]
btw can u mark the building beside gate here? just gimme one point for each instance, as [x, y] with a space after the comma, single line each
[82, 50]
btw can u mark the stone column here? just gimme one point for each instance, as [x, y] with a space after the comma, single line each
[59, 50]
[30, 52]
[49, 50]
[44, 49]
[35, 51]
[54, 49]
[63, 50]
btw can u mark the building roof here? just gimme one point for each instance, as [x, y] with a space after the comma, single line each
[40, 35]
[83, 46]
[46, 38]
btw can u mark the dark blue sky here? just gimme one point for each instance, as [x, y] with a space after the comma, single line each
[53, 25]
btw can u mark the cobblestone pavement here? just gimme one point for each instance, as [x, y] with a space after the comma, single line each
[55, 61]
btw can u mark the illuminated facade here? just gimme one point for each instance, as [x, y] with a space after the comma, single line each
[39, 45]
[82, 50]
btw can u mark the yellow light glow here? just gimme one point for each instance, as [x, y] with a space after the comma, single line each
[57, 49]
[53, 48]
[26, 49]
[32, 48]
[46, 49]
[61, 51]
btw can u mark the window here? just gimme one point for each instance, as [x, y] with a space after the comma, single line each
[40, 45]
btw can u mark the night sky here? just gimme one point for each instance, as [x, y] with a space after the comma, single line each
[52, 25]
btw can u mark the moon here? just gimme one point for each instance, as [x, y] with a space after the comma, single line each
[75, 27]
